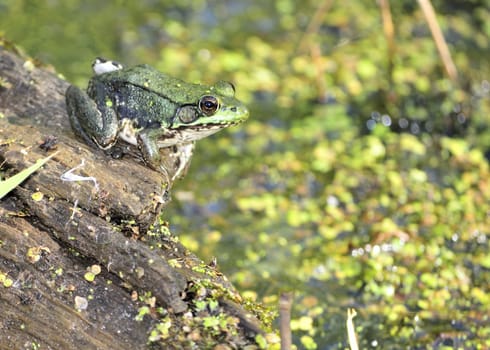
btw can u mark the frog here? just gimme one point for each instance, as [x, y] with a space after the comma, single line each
[160, 114]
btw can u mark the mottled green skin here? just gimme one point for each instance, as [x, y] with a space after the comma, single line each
[152, 103]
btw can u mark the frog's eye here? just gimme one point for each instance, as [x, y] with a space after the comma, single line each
[208, 105]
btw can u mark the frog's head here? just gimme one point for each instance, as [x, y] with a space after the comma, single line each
[216, 109]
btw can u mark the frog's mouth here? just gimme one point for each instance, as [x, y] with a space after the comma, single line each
[189, 133]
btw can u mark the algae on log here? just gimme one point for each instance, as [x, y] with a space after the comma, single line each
[48, 241]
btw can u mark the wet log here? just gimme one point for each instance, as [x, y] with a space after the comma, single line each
[55, 229]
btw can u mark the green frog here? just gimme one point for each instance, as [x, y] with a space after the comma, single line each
[159, 114]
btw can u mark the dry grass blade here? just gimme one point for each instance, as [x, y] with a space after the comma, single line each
[441, 44]
[351, 332]
[389, 32]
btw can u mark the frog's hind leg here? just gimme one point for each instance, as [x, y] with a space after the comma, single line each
[87, 120]
[73, 99]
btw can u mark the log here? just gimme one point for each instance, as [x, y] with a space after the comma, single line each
[54, 228]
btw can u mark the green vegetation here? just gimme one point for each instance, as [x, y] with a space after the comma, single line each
[12, 182]
[360, 180]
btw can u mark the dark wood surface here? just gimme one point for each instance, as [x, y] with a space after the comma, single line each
[77, 224]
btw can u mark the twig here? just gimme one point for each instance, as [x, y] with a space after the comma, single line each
[441, 44]
[314, 24]
[285, 303]
[316, 58]
[313, 47]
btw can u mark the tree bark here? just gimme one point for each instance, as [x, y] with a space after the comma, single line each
[52, 230]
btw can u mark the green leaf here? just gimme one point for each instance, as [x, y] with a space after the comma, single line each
[12, 182]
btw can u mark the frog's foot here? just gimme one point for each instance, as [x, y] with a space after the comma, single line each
[101, 66]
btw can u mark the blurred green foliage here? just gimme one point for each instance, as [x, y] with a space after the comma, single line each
[361, 178]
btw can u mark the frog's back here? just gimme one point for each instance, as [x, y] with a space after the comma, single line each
[150, 79]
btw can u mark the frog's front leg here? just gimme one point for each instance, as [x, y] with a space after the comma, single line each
[96, 123]
[171, 160]
[147, 143]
